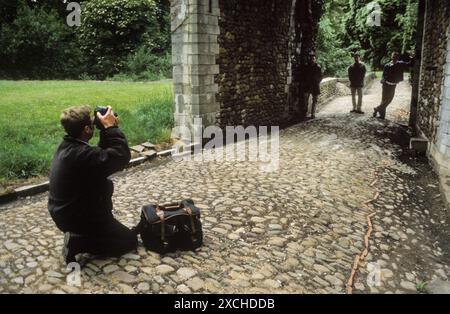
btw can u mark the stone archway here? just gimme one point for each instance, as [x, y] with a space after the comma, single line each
[236, 62]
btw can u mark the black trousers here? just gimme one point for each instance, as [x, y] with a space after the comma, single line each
[109, 238]
[386, 98]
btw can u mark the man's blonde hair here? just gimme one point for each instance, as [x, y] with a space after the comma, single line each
[74, 119]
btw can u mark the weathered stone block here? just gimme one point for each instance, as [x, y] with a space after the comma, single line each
[190, 79]
[202, 89]
[201, 59]
[205, 110]
[178, 13]
[201, 99]
[195, 28]
[208, 119]
[419, 144]
[445, 115]
[201, 69]
[179, 58]
[180, 79]
[179, 104]
[201, 48]
[444, 127]
[203, 19]
[199, 38]
[444, 139]
[179, 70]
[445, 106]
[447, 93]
[447, 81]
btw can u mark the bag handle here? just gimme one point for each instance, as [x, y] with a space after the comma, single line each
[170, 206]
[174, 206]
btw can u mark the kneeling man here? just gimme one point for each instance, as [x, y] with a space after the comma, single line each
[80, 192]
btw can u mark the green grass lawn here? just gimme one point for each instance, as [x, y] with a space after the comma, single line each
[30, 110]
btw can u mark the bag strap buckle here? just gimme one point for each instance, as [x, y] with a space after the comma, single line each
[187, 210]
[160, 212]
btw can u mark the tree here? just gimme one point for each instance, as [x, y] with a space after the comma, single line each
[36, 44]
[332, 54]
[396, 32]
[113, 29]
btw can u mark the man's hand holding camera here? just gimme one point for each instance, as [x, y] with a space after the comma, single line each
[105, 117]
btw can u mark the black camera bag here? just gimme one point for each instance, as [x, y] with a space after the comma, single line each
[171, 227]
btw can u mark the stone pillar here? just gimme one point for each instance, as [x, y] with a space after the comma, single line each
[194, 25]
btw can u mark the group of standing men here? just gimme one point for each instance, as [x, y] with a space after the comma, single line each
[311, 76]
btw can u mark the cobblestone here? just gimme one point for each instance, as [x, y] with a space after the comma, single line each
[295, 230]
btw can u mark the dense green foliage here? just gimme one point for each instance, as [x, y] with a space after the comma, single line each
[130, 39]
[38, 44]
[30, 110]
[145, 66]
[112, 30]
[344, 30]
[332, 56]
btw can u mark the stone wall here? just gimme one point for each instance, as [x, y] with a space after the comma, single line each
[330, 89]
[236, 61]
[367, 80]
[253, 61]
[432, 67]
[261, 44]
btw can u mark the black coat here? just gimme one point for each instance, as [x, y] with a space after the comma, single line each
[80, 191]
[311, 76]
[356, 75]
[393, 73]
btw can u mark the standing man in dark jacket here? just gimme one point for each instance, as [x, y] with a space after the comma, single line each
[80, 192]
[392, 75]
[356, 75]
[312, 76]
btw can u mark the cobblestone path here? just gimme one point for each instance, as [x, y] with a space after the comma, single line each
[295, 230]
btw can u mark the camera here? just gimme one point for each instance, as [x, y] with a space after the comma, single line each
[102, 110]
